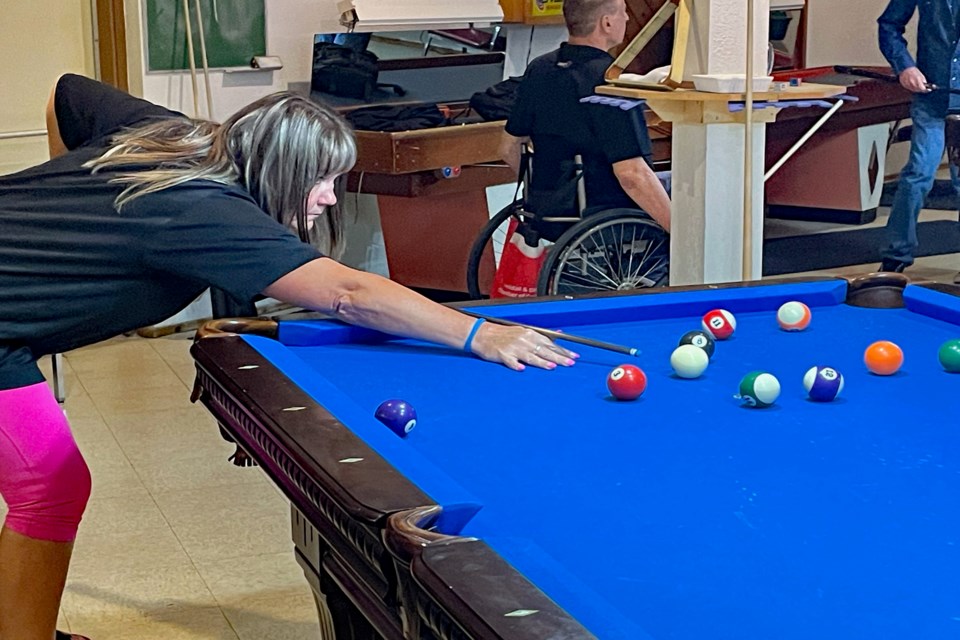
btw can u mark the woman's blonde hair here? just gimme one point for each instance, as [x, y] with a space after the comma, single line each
[277, 148]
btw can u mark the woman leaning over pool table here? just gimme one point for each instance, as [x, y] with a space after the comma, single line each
[138, 211]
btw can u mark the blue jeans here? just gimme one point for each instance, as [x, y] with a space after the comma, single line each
[916, 180]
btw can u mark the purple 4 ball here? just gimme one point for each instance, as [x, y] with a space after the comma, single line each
[399, 416]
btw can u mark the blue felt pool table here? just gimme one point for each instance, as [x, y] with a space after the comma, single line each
[534, 505]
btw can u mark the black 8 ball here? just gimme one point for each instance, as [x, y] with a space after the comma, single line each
[699, 339]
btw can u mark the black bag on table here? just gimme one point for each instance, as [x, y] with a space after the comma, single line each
[406, 117]
[343, 71]
[496, 103]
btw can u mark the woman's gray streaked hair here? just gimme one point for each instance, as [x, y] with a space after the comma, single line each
[277, 148]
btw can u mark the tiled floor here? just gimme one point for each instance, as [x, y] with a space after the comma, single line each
[177, 542]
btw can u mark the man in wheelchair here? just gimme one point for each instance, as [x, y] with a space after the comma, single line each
[613, 143]
[589, 161]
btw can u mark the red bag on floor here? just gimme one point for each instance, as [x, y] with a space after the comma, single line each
[519, 268]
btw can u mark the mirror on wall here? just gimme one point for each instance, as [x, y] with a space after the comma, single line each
[394, 45]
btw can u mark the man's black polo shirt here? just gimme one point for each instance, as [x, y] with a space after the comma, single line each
[549, 111]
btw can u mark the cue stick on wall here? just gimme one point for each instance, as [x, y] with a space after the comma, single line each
[558, 335]
[203, 60]
[193, 64]
[748, 154]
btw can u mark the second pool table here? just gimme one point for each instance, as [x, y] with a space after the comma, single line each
[533, 505]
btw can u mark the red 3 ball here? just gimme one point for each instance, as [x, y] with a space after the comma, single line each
[627, 382]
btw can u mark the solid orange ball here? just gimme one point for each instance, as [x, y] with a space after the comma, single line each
[883, 358]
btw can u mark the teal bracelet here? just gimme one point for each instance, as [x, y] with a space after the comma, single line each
[473, 332]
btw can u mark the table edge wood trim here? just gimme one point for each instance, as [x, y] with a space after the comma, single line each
[370, 504]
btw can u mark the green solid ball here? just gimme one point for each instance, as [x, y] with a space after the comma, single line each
[949, 356]
[759, 389]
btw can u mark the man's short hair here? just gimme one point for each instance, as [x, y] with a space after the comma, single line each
[582, 16]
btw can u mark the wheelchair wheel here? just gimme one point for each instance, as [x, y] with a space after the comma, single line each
[613, 250]
[486, 250]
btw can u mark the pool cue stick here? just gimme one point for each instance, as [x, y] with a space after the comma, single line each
[558, 335]
[193, 64]
[803, 140]
[203, 59]
[886, 77]
[747, 272]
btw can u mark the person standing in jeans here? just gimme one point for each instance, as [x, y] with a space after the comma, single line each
[930, 77]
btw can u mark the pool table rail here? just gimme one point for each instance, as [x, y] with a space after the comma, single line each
[461, 589]
[366, 535]
[346, 503]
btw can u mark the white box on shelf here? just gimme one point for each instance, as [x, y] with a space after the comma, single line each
[729, 83]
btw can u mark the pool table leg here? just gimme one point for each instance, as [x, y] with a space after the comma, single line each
[339, 618]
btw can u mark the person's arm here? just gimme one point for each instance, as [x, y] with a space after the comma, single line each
[54, 142]
[510, 148]
[623, 137]
[644, 187]
[371, 301]
[892, 23]
[81, 111]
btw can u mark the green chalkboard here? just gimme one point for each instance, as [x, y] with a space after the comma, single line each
[233, 30]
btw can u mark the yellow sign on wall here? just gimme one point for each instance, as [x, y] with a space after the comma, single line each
[541, 8]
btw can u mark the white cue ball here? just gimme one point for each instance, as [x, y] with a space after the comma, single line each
[689, 361]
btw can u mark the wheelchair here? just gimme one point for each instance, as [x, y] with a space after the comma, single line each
[605, 250]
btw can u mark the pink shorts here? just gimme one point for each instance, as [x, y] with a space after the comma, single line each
[43, 477]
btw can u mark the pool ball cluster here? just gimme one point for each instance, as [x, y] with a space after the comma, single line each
[692, 356]
[759, 388]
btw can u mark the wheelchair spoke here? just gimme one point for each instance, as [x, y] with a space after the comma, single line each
[604, 259]
[633, 239]
[586, 256]
[609, 257]
[599, 271]
[644, 262]
[573, 283]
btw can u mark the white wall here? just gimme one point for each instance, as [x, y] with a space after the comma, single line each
[525, 43]
[290, 26]
[39, 41]
[845, 32]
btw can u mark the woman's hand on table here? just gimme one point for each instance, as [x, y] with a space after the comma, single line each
[516, 347]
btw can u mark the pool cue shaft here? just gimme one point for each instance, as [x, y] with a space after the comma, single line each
[203, 60]
[193, 62]
[558, 335]
[886, 77]
[747, 239]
